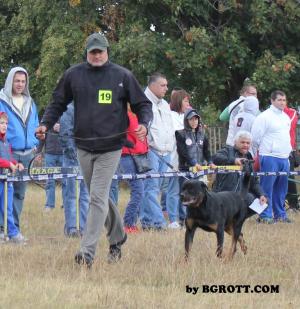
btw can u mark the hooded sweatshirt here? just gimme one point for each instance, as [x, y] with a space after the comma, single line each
[244, 119]
[192, 147]
[22, 123]
[234, 108]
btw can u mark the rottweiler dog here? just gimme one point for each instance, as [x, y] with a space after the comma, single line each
[216, 212]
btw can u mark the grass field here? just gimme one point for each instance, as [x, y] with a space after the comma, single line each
[152, 273]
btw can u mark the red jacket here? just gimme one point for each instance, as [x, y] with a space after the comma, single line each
[292, 113]
[139, 147]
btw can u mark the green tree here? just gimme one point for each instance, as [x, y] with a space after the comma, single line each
[211, 47]
[208, 47]
[45, 37]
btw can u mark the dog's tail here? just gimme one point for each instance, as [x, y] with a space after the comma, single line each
[246, 172]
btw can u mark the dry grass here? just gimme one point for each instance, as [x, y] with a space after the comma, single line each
[151, 274]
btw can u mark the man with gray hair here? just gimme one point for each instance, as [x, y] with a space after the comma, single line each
[235, 155]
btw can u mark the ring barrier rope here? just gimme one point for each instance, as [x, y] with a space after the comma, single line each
[45, 173]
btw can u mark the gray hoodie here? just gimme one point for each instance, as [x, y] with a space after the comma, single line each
[6, 94]
[244, 119]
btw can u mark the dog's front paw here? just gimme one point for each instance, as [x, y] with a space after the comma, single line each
[244, 249]
[219, 253]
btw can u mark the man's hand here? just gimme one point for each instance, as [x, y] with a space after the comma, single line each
[13, 167]
[197, 167]
[56, 127]
[141, 132]
[263, 200]
[239, 161]
[40, 132]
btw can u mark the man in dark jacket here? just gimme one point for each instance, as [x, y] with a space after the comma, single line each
[100, 90]
[235, 156]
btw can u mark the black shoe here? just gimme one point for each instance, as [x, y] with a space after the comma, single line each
[74, 234]
[284, 220]
[182, 222]
[265, 220]
[114, 254]
[84, 258]
[147, 228]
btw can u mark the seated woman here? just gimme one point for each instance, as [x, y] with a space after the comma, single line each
[235, 155]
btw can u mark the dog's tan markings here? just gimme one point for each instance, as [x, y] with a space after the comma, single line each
[242, 244]
[219, 252]
[232, 249]
[214, 227]
[229, 230]
[190, 223]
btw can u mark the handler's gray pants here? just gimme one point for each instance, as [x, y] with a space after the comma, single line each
[98, 170]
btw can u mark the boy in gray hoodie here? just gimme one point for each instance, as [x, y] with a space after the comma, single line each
[244, 119]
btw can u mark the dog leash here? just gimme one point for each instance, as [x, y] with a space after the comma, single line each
[219, 167]
[167, 163]
[89, 138]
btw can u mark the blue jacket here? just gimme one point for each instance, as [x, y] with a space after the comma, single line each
[66, 134]
[20, 135]
[21, 124]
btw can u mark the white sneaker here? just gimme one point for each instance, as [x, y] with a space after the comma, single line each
[174, 225]
[48, 209]
[18, 239]
[2, 238]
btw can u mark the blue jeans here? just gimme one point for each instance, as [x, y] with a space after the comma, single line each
[114, 188]
[69, 199]
[52, 160]
[127, 166]
[182, 208]
[11, 227]
[172, 199]
[163, 198]
[151, 214]
[274, 187]
[20, 189]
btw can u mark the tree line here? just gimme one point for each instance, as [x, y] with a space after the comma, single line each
[208, 47]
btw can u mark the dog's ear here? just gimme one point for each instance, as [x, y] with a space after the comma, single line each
[204, 186]
[247, 166]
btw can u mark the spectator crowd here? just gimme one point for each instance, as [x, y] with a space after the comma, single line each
[100, 119]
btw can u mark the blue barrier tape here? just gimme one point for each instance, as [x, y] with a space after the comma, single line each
[46, 173]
